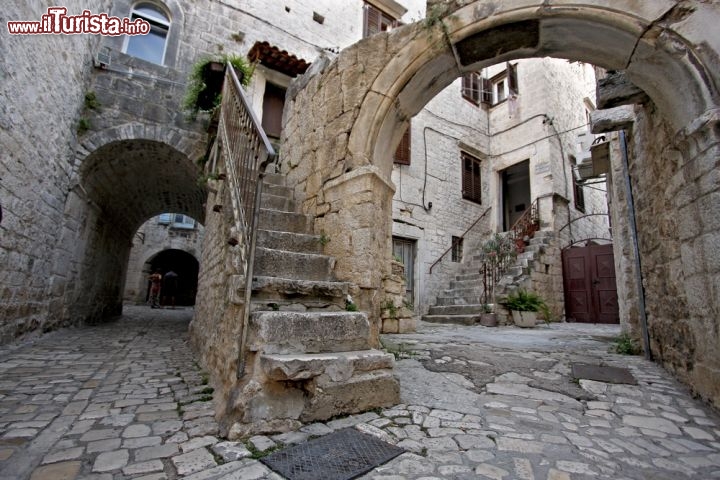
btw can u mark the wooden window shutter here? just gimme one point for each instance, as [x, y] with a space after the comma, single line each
[471, 87]
[471, 186]
[487, 94]
[373, 21]
[512, 79]
[402, 154]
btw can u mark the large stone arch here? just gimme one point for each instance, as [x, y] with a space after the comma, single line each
[345, 121]
[124, 176]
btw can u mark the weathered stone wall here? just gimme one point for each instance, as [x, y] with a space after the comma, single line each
[440, 132]
[44, 80]
[216, 327]
[675, 196]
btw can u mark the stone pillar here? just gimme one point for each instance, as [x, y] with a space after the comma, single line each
[697, 184]
[354, 211]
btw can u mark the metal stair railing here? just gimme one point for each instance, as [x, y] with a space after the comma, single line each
[246, 152]
[526, 225]
[459, 239]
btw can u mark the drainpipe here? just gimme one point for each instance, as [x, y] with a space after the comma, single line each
[636, 249]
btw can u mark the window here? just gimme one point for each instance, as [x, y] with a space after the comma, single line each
[471, 189]
[476, 89]
[578, 190]
[402, 154]
[273, 104]
[377, 21]
[579, 196]
[503, 85]
[457, 249]
[150, 47]
[176, 220]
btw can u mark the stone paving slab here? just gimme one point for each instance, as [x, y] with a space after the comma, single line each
[125, 400]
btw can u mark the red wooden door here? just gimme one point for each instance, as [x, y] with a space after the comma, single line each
[590, 288]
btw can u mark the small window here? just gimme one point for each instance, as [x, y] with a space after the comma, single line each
[150, 47]
[471, 188]
[579, 196]
[377, 21]
[402, 154]
[457, 249]
[503, 85]
[165, 218]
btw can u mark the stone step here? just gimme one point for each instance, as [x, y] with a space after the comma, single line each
[308, 332]
[274, 179]
[292, 242]
[361, 392]
[277, 202]
[284, 221]
[470, 300]
[298, 295]
[463, 292]
[338, 365]
[474, 283]
[474, 309]
[293, 265]
[469, 276]
[453, 319]
[279, 190]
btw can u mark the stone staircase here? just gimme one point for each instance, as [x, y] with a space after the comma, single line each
[309, 359]
[462, 302]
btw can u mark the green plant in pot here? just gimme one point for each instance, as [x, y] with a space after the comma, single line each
[524, 306]
[206, 80]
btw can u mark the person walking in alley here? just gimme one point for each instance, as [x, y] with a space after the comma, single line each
[169, 288]
[155, 283]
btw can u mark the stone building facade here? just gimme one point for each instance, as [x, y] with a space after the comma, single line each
[538, 134]
[94, 148]
[675, 142]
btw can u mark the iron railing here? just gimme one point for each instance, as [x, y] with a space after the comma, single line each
[455, 243]
[526, 226]
[246, 152]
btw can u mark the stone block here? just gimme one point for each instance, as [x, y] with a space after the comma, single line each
[338, 366]
[390, 325]
[360, 393]
[308, 332]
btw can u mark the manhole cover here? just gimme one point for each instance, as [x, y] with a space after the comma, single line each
[601, 373]
[342, 455]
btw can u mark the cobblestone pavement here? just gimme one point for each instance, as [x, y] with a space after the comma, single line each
[127, 400]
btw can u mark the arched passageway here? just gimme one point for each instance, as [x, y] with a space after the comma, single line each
[185, 266]
[361, 102]
[123, 183]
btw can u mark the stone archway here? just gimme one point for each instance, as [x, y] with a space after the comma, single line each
[126, 175]
[344, 122]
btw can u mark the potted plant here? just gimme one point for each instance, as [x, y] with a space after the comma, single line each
[206, 80]
[524, 307]
[488, 317]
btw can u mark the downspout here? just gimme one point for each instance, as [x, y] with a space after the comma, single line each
[635, 247]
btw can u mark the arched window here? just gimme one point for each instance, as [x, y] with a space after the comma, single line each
[150, 47]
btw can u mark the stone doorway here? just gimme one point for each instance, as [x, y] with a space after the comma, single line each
[590, 286]
[515, 196]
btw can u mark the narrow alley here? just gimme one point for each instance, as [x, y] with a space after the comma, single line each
[127, 400]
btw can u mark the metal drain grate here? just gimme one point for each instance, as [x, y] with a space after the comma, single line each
[341, 455]
[601, 373]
